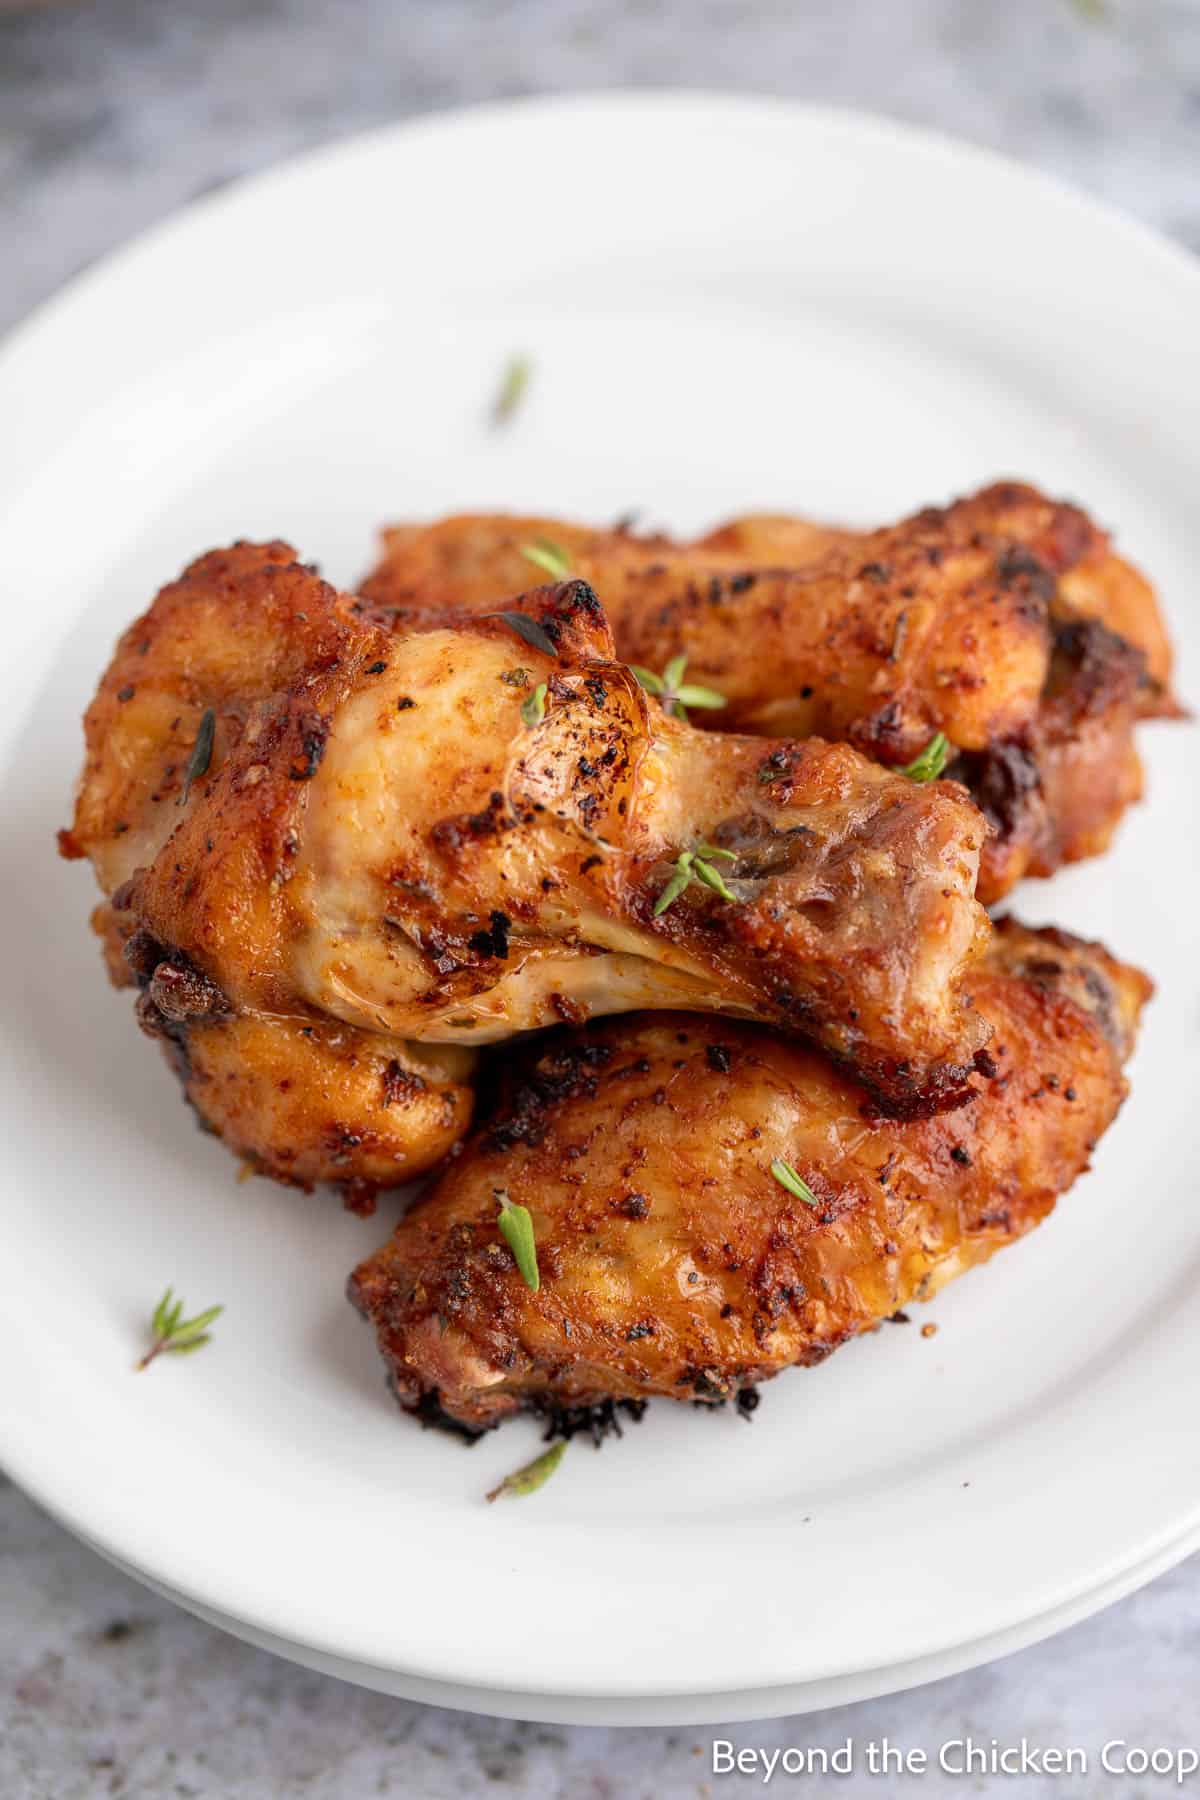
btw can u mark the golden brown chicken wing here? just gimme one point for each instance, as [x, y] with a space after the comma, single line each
[298, 1096]
[964, 621]
[672, 1261]
[472, 831]
[1093, 581]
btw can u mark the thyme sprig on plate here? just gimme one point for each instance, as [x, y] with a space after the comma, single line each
[512, 389]
[534, 1475]
[547, 555]
[676, 695]
[172, 1332]
[695, 865]
[789, 1178]
[932, 760]
[516, 1226]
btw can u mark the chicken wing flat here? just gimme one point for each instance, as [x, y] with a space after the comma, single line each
[672, 1261]
[976, 621]
[479, 829]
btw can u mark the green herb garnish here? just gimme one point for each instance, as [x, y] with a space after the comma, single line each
[695, 865]
[534, 1475]
[512, 389]
[517, 1228]
[787, 1177]
[533, 709]
[515, 677]
[548, 556]
[201, 756]
[675, 696]
[173, 1332]
[932, 760]
[534, 634]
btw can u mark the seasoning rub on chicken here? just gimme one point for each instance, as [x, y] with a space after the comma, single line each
[322, 840]
[1005, 622]
[711, 1204]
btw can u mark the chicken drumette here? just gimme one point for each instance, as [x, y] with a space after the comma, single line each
[222, 657]
[672, 1260]
[1004, 621]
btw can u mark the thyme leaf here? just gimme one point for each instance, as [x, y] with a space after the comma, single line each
[704, 871]
[680, 880]
[201, 756]
[534, 1475]
[517, 1228]
[669, 687]
[548, 556]
[512, 389]
[932, 760]
[533, 709]
[171, 1331]
[695, 865]
[535, 635]
[787, 1178]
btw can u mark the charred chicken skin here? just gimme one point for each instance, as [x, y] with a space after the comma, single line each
[1004, 621]
[460, 834]
[672, 1262]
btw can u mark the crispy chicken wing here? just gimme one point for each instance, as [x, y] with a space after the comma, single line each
[300, 1097]
[1093, 581]
[460, 833]
[966, 621]
[672, 1262]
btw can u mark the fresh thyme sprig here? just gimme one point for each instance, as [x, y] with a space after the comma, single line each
[675, 696]
[534, 1475]
[932, 760]
[201, 756]
[512, 389]
[533, 707]
[547, 555]
[517, 1228]
[695, 865]
[171, 1331]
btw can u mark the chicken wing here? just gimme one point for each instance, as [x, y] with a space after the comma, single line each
[297, 1096]
[961, 621]
[672, 1260]
[475, 830]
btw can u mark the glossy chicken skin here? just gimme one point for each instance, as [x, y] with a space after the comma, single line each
[672, 1263]
[297, 1096]
[959, 620]
[386, 834]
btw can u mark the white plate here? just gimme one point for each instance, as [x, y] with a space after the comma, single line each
[691, 1709]
[730, 304]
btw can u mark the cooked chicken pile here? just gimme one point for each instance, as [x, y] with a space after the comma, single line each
[710, 827]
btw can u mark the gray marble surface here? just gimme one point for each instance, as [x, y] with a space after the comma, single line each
[113, 114]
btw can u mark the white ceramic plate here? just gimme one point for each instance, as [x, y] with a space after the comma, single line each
[730, 304]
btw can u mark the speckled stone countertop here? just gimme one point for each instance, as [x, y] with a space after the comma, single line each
[113, 114]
